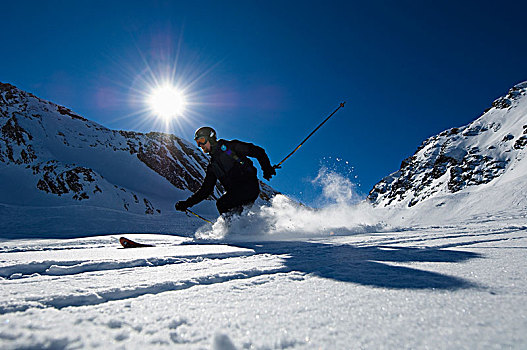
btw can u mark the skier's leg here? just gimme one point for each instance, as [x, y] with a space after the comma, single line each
[234, 201]
[232, 204]
[225, 203]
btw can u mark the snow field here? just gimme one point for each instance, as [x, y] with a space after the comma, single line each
[444, 287]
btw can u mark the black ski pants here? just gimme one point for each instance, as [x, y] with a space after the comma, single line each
[235, 199]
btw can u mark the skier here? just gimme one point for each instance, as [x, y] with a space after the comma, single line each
[229, 164]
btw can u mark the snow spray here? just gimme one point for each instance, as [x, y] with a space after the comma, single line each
[286, 219]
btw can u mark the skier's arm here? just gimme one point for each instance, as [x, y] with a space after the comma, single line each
[250, 150]
[207, 187]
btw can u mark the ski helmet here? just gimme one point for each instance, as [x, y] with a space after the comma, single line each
[207, 132]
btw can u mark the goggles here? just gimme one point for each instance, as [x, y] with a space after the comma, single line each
[201, 141]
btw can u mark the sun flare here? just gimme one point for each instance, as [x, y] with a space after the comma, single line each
[167, 101]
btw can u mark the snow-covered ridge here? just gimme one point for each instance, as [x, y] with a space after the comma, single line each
[64, 151]
[53, 157]
[461, 158]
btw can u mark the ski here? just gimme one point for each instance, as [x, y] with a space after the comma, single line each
[128, 243]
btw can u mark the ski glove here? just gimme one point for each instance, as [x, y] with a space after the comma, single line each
[182, 205]
[268, 172]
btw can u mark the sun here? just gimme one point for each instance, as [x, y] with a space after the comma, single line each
[167, 101]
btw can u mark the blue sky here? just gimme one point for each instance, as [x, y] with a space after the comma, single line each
[269, 71]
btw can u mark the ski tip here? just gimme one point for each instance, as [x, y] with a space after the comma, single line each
[128, 243]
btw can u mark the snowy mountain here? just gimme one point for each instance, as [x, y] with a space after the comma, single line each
[54, 162]
[467, 167]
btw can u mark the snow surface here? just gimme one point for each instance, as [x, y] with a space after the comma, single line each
[282, 276]
[458, 286]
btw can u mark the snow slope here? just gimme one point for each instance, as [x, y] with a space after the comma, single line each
[461, 287]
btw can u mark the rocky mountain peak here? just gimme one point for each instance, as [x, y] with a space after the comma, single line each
[462, 157]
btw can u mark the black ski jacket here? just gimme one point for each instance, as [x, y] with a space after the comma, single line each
[229, 164]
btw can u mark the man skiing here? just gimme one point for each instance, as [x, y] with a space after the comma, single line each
[229, 164]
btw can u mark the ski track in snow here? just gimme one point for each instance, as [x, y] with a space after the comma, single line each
[448, 286]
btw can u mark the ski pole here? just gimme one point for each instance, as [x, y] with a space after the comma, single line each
[278, 166]
[198, 216]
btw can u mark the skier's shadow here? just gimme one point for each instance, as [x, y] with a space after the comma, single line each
[368, 265]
